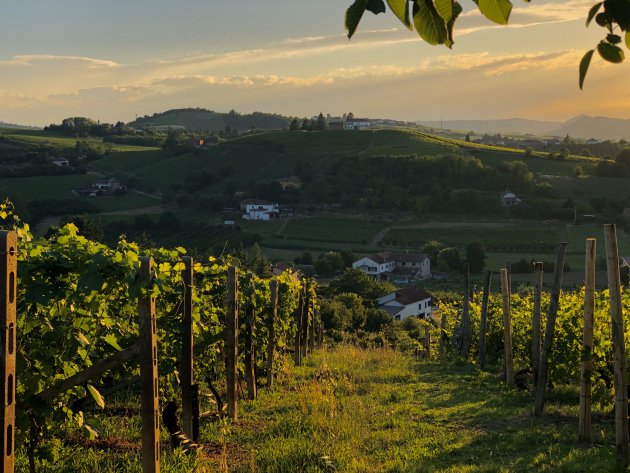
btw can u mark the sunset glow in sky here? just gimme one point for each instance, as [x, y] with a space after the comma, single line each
[121, 58]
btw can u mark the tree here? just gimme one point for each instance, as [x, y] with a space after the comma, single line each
[172, 140]
[306, 125]
[321, 122]
[357, 282]
[623, 160]
[434, 20]
[476, 256]
[329, 264]
[433, 248]
[450, 258]
[295, 125]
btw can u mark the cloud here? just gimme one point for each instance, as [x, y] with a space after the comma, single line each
[36, 59]
[11, 100]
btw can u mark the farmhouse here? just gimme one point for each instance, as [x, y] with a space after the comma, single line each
[102, 187]
[61, 162]
[257, 209]
[290, 183]
[357, 124]
[106, 185]
[402, 268]
[509, 199]
[407, 302]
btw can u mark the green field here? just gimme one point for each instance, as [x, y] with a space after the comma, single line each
[26, 189]
[332, 230]
[37, 137]
[525, 236]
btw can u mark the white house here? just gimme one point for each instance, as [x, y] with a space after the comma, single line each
[61, 162]
[402, 268]
[409, 267]
[256, 209]
[106, 185]
[509, 199]
[357, 124]
[407, 302]
[377, 264]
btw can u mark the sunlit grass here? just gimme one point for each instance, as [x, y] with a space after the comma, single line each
[354, 410]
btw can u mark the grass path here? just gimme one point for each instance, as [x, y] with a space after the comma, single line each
[353, 410]
[363, 411]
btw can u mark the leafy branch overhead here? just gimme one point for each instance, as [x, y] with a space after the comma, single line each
[434, 21]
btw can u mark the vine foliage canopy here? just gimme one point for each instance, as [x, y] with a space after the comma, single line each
[434, 21]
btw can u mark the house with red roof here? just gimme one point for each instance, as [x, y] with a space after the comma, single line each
[399, 268]
[409, 301]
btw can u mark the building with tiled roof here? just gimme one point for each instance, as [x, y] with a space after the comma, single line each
[407, 302]
[400, 268]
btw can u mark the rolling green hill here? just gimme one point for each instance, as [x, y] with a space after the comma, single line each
[268, 156]
[200, 119]
[265, 157]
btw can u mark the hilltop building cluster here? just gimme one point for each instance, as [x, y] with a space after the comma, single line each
[348, 122]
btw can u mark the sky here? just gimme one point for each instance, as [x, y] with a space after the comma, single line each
[120, 59]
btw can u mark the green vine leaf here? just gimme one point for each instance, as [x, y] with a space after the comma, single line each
[375, 6]
[353, 16]
[610, 52]
[400, 8]
[496, 10]
[429, 24]
[584, 65]
[98, 398]
[445, 9]
[457, 10]
[592, 12]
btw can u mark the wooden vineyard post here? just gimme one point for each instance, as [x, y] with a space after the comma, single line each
[465, 334]
[320, 331]
[231, 343]
[427, 342]
[483, 327]
[250, 363]
[618, 330]
[507, 329]
[271, 342]
[297, 351]
[195, 413]
[305, 321]
[147, 353]
[536, 324]
[587, 350]
[508, 267]
[311, 327]
[188, 377]
[442, 334]
[8, 276]
[554, 299]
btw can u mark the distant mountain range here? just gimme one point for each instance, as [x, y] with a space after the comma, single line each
[583, 126]
[20, 127]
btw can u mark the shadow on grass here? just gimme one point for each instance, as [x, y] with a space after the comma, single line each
[495, 431]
